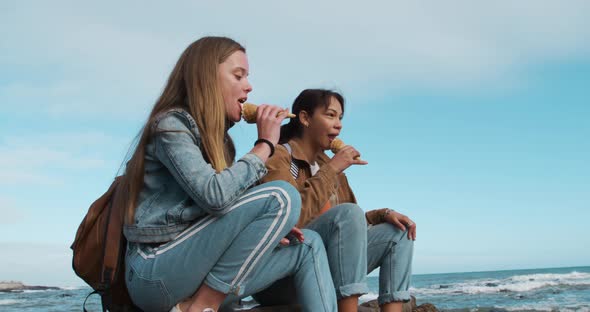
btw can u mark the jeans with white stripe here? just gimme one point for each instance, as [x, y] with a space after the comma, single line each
[228, 252]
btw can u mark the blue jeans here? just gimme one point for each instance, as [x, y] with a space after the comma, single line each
[235, 253]
[355, 250]
[390, 249]
[343, 229]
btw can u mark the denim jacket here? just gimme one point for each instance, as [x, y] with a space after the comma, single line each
[180, 186]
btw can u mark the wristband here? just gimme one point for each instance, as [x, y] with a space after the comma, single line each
[272, 147]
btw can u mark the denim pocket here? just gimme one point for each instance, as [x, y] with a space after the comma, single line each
[147, 294]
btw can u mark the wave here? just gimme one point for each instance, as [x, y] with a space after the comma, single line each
[517, 283]
[73, 287]
[10, 301]
[27, 291]
[523, 308]
[545, 307]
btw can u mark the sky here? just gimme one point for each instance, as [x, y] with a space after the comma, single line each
[473, 115]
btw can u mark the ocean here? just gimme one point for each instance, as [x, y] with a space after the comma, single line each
[557, 289]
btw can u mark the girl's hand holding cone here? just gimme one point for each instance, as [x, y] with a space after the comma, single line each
[344, 156]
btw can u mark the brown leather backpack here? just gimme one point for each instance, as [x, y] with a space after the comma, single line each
[99, 252]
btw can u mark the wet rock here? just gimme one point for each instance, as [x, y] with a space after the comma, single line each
[285, 308]
[372, 305]
[491, 285]
[426, 307]
[241, 307]
[13, 286]
[369, 306]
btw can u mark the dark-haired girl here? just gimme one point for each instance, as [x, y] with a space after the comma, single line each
[356, 243]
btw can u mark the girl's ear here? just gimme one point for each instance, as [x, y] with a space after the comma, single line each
[304, 118]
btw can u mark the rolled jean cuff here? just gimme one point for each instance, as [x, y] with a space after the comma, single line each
[352, 289]
[396, 296]
[223, 287]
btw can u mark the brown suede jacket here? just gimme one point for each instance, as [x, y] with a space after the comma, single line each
[316, 191]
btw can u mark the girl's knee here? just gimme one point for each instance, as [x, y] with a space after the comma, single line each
[288, 197]
[349, 209]
[399, 236]
[405, 241]
[350, 215]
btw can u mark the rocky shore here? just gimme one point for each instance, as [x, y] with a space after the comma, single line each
[369, 306]
[13, 286]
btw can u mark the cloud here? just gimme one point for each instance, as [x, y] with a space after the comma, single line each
[114, 62]
[24, 264]
[82, 140]
[65, 97]
[39, 156]
[48, 159]
[9, 212]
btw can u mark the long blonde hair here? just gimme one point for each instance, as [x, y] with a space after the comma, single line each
[192, 86]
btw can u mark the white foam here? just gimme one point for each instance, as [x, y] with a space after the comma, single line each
[10, 301]
[36, 290]
[545, 307]
[368, 297]
[530, 307]
[73, 287]
[568, 276]
[517, 283]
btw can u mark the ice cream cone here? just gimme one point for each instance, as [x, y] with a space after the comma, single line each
[337, 145]
[249, 113]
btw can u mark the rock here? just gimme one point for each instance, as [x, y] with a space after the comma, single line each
[426, 307]
[369, 306]
[41, 288]
[372, 305]
[281, 308]
[285, 308]
[9, 286]
[13, 286]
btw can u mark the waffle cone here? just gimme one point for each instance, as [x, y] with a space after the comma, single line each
[336, 145]
[249, 113]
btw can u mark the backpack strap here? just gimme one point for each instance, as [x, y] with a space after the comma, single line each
[113, 238]
[114, 249]
[90, 294]
[294, 168]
